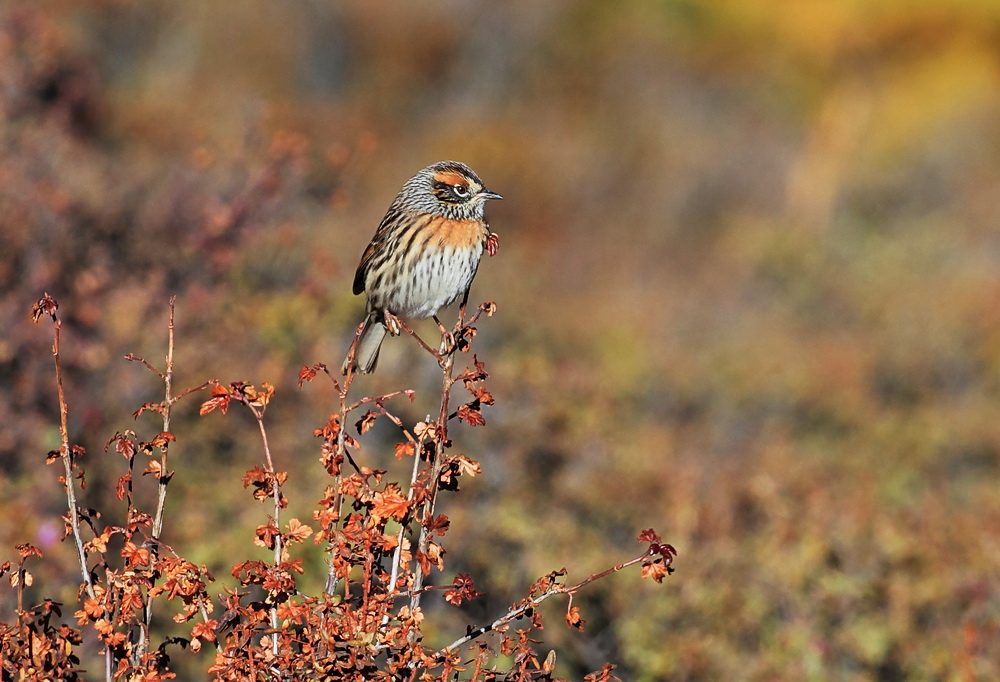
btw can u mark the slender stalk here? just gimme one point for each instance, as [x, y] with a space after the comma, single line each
[402, 529]
[341, 448]
[168, 401]
[277, 517]
[398, 552]
[435, 475]
[48, 305]
[67, 458]
[163, 479]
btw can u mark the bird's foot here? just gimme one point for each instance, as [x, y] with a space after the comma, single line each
[393, 324]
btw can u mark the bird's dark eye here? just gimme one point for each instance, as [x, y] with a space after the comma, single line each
[461, 190]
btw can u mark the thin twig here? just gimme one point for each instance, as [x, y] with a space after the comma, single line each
[135, 358]
[441, 438]
[193, 389]
[341, 448]
[398, 551]
[67, 458]
[163, 476]
[258, 413]
[48, 305]
[521, 609]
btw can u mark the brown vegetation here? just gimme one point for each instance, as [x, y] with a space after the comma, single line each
[747, 294]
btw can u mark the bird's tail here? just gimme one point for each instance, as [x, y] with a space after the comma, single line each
[366, 356]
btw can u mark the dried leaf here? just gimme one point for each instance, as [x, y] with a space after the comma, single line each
[298, 531]
[573, 618]
[467, 466]
[657, 570]
[405, 450]
[306, 374]
[262, 397]
[550, 662]
[366, 422]
[470, 414]
[648, 535]
[219, 400]
[390, 503]
[46, 305]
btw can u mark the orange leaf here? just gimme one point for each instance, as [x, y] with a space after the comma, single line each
[298, 531]
[390, 503]
[366, 422]
[134, 555]
[648, 535]
[162, 439]
[262, 397]
[573, 618]
[471, 415]
[657, 570]
[306, 374]
[219, 400]
[468, 467]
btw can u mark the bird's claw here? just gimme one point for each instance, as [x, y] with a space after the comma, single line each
[447, 346]
[392, 323]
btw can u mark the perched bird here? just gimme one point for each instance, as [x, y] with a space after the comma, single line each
[424, 254]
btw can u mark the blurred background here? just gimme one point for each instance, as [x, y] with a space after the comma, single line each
[748, 294]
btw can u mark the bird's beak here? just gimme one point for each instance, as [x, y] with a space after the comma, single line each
[487, 194]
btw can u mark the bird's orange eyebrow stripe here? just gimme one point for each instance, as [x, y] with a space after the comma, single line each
[450, 178]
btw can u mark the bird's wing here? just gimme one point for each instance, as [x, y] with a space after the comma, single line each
[378, 242]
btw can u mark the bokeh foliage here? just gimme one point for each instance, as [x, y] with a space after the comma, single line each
[748, 290]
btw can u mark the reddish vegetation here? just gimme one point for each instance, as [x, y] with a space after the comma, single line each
[382, 542]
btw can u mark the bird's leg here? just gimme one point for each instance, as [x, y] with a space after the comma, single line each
[447, 346]
[352, 352]
[461, 308]
[392, 323]
[406, 328]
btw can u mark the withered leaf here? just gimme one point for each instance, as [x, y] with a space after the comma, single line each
[219, 400]
[657, 570]
[306, 374]
[390, 503]
[573, 618]
[298, 531]
[648, 535]
[470, 414]
[366, 422]
[406, 449]
[46, 305]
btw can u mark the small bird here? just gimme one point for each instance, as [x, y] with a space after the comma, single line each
[425, 253]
